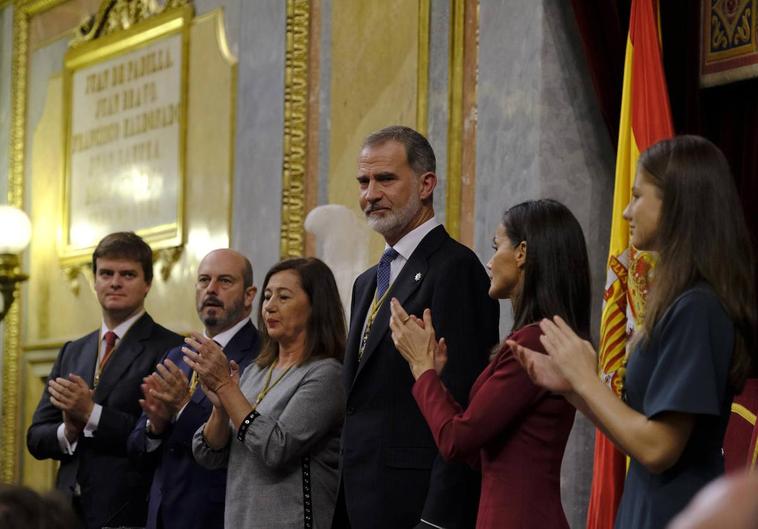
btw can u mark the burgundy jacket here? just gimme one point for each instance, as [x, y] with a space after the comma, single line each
[516, 430]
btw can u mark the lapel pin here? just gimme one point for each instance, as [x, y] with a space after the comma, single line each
[417, 277]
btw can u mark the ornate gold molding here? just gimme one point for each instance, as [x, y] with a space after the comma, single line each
[298, 83]
[461, 136]
[166, 258]
[72, 276]
[118, 15]
[292, 242]
[422, 82]
[455, 118]
[122, 27]
[11, 361]
[10, 435]
[469, 124]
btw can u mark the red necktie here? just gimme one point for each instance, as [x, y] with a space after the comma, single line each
[110, 342]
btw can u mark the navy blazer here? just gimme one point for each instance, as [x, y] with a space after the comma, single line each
[113, 491]
[392, 474]
[184, 494]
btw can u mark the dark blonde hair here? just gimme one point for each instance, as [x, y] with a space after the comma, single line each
[702, 236]
[325, 330]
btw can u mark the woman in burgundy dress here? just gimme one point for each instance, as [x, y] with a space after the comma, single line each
[515, 430]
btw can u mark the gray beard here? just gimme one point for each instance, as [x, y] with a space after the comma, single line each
[395, 221]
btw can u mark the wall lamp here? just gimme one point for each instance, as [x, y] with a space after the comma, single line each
[15, 233]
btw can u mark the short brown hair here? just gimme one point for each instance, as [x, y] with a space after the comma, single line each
[418, 152]
[125, 245]
[326, 326]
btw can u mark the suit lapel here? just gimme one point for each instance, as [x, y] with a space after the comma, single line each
[241, 343]
[84, 365]
[410, 278]
[128, 350]
[364, 292]
[402, 289]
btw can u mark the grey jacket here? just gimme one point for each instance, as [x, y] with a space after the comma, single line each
[295, 439]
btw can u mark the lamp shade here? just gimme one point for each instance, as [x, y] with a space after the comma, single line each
[15, 230]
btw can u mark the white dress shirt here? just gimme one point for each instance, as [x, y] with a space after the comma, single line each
[405, 248]
[94, 419]
[408, 244]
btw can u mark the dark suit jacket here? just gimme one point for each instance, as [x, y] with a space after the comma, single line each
[113, 491]
[392, 474]
[184, 494]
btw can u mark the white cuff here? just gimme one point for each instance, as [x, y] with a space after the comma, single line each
[93, 421]
[66, 447]
[151, 445]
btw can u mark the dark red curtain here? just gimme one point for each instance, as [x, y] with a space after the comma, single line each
[727, 115]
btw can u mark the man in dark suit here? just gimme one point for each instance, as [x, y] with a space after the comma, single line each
[185, 495]
[392, 476]
[90, 406]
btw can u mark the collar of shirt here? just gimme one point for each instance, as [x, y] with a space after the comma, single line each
[408, 244]
[119, 329]
[226, 336]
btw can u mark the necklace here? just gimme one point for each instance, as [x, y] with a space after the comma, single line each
[376, 304]
[268, 386]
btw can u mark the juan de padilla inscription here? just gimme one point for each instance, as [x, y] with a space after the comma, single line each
[125, 136]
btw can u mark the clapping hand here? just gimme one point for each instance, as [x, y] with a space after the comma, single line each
[570, 361]
[73, 396]
[166, 393]
[416, 340]
[234, 375]
[208, 359]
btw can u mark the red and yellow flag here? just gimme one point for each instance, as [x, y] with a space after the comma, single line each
[645, 119]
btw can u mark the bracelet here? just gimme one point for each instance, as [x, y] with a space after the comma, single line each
[224, 383]
[246, 422]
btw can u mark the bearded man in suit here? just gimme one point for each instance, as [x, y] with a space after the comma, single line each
[90, 405]
[185, 495]
[391, 473]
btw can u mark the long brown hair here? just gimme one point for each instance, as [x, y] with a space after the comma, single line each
[702, 236]
[557, 270]
[325, 331]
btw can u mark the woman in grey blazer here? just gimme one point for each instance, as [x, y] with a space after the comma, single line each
[277, 427]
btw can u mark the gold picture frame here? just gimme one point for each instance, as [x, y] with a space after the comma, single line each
[106, 57]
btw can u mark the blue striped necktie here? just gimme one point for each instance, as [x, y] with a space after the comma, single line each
[383, 271]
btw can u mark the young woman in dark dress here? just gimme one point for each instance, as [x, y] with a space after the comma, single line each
[512, 428]
[696, 346]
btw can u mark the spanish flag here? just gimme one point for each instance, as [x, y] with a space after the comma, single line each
[645, 119]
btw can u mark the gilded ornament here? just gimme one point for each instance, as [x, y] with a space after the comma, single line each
[292, 240]
[166, 259]
[119, 15]
[72, 276]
